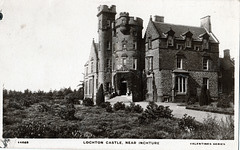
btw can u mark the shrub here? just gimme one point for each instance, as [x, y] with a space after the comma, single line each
[119, 106]
[154, 112]
[192, 100]
[223, 103]
[68, 112]
[214, 129]
[105, 104]
[187, 123]
[109, 108]
[43, 107]
[14, 104]
[100, 96]
[88, 102]
[133, 108]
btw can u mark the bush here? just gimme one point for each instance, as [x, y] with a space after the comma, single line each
[154, 112]
[223, 103]
[187, 123]
[133, 108]
[192, 100]
[105, 104]
[14, 104]
[109, 108]
[100, 96]
[43, 107]
[88, 102]
[119, 106]
[68, 112]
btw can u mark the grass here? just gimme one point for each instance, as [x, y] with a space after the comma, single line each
[211, 108]
[95, 122]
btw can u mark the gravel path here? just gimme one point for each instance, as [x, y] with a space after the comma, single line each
[178, 111]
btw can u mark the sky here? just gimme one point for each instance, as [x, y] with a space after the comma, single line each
[44, 44]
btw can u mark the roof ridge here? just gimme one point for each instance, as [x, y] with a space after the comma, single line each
[177, 24]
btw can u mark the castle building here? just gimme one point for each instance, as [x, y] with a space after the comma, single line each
[170, 63]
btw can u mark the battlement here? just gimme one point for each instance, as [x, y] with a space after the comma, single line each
[136, 21]
[124, 14]
[105, 8]
[131, 20]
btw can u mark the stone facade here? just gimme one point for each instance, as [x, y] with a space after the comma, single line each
[170, 63]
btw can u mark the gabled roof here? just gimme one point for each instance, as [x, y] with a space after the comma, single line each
[181, 29]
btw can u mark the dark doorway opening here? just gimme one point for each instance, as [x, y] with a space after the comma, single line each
[123, 87]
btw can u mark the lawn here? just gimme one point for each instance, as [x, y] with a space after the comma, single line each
[59, 119]
[212, 108]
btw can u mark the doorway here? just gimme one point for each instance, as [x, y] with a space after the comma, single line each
[123, 87]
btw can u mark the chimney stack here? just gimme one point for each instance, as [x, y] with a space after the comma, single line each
[206, 23]
[158, 18]
[226, 54]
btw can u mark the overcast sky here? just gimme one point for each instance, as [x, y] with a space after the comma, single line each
[44, 44]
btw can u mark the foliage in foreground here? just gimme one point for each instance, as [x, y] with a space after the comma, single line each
[154, 112]
[43, 120]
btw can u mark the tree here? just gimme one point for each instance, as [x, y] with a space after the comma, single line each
[100, 96]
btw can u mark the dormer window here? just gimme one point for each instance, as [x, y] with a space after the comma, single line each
[188, 39]
[170, 34]
[170, 41]
[205, 44]
[188, 42]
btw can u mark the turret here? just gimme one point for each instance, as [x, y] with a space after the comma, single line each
[106, 16]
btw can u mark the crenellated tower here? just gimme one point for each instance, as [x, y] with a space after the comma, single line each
[106, 16]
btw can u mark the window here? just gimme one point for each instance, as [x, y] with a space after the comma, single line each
[220, 87]
[149, 85]
[108, 23]
[92, 67]
[197, 48]
[86, 87]
[90, 86]
[179, 62]
[150, 63]
[108, 45]
[109, 63]
[179, 46]
[188, 42]
[205, 44]
[149, 43]
[220, 74]
[108, 86]
[124, 61]
[135, 64]
[181, 84]
[135, 45]
[124, 46]
[205, 64]
[170, 41]
[206, 82]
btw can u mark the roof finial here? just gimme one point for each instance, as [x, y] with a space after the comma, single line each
[150, 17]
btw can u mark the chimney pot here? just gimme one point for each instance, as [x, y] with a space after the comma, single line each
[226, 53]
[158, 18]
